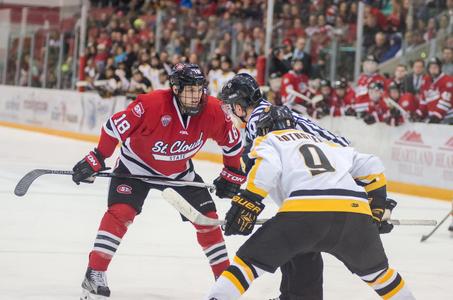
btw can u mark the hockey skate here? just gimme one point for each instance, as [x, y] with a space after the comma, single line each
[95, 286]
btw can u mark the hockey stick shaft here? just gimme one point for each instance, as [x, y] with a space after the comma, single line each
[426, 236]
[24, 184]
[181, 205]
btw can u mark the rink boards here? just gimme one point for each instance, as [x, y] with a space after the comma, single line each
[418, 157]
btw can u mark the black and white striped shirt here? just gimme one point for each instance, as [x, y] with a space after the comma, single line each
[302, 123]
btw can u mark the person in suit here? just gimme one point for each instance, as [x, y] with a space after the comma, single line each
[300, 54]
[413, 81]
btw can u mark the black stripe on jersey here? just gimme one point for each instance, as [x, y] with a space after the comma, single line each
[236, 147]
[213, 261]
[391, 286]
[240, 277]
[329, 192]
[105, 247]
[104, 237]
[318, 131]
[109, 125]
[190, 169]
[215, 250]
[139, 163]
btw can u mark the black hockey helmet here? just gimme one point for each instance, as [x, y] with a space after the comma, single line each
[275, 118]
[434, 61]
[185, 74]
[376, 85]
[242, 89]
[342, 83]
[325, 82]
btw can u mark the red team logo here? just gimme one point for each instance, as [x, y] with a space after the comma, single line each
[124, 189]
[165, 120]
[138, 110]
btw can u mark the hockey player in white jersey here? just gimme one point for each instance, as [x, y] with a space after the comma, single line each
[244, 98]
[322, 209]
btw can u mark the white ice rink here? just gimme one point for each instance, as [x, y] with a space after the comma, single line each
[45, 237]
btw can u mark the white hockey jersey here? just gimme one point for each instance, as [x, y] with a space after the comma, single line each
[304, 173]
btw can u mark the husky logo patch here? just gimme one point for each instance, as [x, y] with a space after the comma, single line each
[124, 189]
[165, 120]
[138, 110]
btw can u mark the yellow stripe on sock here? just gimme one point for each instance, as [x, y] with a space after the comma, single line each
[393, 292]
[234, 281]
[245, 267]
[386, 277]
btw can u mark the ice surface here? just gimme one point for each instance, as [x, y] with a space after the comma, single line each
[45, 237]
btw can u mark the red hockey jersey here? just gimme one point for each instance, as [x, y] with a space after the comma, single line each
[338, 105]
[436, 96]
[296, 82]
[361, 91]
[157, 140]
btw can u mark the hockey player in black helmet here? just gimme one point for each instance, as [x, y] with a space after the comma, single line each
[332, 212]
[302, 276]
[275, 118]
[434, 67]
[189, 87]
[244, 91]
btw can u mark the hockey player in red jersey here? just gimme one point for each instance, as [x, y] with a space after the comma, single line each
[377, 109]
[159, 133]
[370, 74]
[294, 80]
[342, 99]
[435, 93]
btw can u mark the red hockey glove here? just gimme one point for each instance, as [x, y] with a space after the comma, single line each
[244, 211]
[228, 183]
[89, 165]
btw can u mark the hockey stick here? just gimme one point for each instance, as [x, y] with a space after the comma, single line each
[24, 184]
[188, 211]
[391, 102]
[314, 100]
[426, 236]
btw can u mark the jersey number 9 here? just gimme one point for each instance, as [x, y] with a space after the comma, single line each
[315, 159]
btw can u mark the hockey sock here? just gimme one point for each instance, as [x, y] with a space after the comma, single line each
[211, 240]
[235, 280]
[111, 230]
[388, 284]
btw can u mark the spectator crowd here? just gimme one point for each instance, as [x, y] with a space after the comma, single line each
[131, 46]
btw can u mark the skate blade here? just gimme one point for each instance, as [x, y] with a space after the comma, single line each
[89, 296]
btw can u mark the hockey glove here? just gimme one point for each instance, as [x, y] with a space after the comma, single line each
[227, 185]
[89, 165]
[384, 226]
[243, 213]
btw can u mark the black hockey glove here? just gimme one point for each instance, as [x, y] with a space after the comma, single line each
[243, 213]
[89, 165]
[229, 182]
[369, 119]
[384, 226]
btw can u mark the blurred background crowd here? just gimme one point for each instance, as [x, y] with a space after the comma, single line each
[406, 71]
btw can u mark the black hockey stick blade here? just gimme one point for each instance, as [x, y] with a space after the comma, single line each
[426, 236]
[24, 184]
